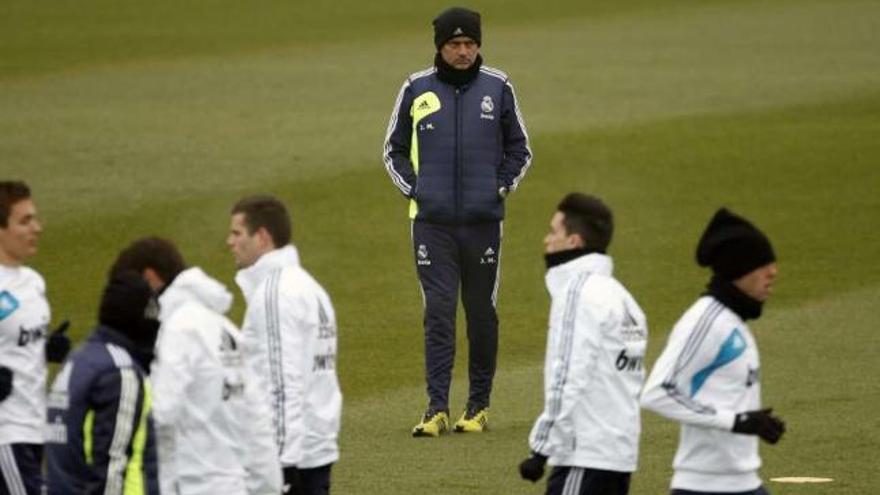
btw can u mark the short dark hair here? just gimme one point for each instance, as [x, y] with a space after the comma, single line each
[267, 212]
[588, 217]
[150, 252]
[11, 192]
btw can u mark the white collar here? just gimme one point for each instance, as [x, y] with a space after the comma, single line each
[598, 263]
[249, 278]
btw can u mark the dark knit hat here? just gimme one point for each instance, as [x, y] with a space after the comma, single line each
[456, 21]
[732, 246]
[127, 301]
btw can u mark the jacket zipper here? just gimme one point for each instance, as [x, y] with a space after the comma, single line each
[458, 158]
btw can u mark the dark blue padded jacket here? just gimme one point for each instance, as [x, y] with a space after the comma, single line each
[99, 437]
[451, 149]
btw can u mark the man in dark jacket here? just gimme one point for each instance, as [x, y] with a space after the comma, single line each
[99, 437]
[456, 146]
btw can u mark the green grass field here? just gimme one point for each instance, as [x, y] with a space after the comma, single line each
[130, 119]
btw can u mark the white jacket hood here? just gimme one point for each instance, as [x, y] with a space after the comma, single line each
[249, 278]
[194, 284]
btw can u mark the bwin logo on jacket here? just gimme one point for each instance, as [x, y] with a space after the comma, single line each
[8, 304]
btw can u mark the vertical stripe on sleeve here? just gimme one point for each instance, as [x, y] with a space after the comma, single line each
[276, 369]
[688, 352]
[563, 351]
[122, 434]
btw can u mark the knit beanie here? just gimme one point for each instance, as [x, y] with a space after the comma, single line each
[732, 246]
[456, 21]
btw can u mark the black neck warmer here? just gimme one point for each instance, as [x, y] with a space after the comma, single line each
[139, 341]
[741, 304]
[457, 77]
[560, 257]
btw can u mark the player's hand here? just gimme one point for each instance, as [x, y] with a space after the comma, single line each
[5, 382]
[532, 469]
[762, 423]
[58, 344]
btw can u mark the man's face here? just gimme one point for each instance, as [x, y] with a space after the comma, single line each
[460, 52]
[18, 240]
[557, 239]
[758, 283]
[246, 248]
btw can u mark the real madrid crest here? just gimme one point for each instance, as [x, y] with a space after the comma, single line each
[486, 105]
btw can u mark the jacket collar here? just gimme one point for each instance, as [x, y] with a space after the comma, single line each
[736, 300]
[142, 354]
[110, 335]
[248, 279]
[594, 263]
[459, 78]
[194, 285]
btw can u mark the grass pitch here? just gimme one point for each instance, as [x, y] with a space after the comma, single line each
[130, 120]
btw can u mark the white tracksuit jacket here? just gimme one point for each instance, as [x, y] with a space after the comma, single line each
[213, 426]
[289, 337]
[593, 370]
[24, 322]
[709, 372]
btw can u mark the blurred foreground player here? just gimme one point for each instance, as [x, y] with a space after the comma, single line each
[24, 348]
[708, 376]
[594, 369]
[289, 339]
[99, 436]
[212, 418]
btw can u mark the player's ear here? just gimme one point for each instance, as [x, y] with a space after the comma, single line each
[265, 238]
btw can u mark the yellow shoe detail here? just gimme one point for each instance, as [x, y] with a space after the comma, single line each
[433, 424]
[473, 421]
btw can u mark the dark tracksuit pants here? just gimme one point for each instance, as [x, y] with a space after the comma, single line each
[565, 480]
[309, 481]
[448, 257]
[21, 465]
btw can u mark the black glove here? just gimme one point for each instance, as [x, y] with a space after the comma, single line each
[532, 469]
[58, 344]
[761, 423]
[5, 382]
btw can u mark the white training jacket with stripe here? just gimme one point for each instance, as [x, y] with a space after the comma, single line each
[709, 372]
[213, 426]
[24, 323]
[289, 338]
[593, 370]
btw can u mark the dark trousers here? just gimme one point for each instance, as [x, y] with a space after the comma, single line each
[20, 465]
[759, 491]
[586, 481]
[312, 481]
[449, 256]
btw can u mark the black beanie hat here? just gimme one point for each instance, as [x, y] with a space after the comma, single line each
[456, 21]
[126, 303]
[732, 246]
